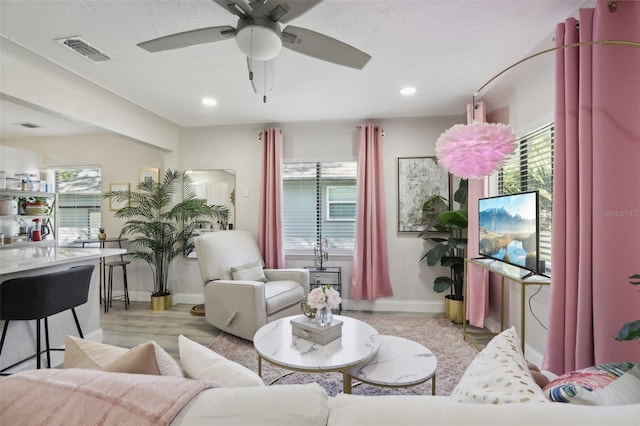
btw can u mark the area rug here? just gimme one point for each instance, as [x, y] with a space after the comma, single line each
[440, 335]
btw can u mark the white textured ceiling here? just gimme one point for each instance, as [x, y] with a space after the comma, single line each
[447, 49]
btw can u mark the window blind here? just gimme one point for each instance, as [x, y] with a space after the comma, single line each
[319, 202]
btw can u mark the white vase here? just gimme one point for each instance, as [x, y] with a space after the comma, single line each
[324, 317]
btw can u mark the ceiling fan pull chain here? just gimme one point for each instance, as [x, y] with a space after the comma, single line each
[251, 58]
[264, 97]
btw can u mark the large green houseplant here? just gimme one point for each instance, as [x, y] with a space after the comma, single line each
[160, 227]
[448, 251]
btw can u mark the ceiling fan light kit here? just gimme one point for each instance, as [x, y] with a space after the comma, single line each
[259, 37]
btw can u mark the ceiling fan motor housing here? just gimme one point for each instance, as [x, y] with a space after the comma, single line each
[258, 38]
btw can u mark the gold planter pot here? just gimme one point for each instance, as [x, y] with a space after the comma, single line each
[454, 310]
[161, 303]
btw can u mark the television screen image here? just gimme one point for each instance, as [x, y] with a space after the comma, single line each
[509, 229]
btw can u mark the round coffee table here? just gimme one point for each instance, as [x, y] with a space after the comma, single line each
[358, 344]
[399, 363]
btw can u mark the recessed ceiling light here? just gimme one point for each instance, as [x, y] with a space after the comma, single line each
[407, 91]
[209, 101]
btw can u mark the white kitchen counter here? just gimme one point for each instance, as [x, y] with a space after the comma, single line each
[27, 258]
[32, 260]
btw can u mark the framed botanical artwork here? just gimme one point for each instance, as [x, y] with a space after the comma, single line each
[418, 179]
[144, 174]
[115, 204]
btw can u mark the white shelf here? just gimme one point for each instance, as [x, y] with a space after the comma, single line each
[19, 193]
[49, 218]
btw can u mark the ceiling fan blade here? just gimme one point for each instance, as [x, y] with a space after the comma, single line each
[240, 8]
[287, 10]
[323, 47]
[189, 38]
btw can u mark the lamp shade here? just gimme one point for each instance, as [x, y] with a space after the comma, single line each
[258, 43]
[472, 151]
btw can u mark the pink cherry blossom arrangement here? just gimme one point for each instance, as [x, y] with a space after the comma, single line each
[324, 296]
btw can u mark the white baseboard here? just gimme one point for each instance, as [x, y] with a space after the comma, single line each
[492, 325]
[380, 305]
[188, 298]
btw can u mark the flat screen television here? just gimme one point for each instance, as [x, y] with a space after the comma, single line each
[509, 229]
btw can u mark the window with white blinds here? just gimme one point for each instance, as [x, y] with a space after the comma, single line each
[319, 202]
[79, 199]
[530, 169]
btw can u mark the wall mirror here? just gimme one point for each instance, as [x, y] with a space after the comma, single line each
[216, 187]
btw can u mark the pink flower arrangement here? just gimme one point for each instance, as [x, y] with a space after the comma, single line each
[324, 296]
[475, 150]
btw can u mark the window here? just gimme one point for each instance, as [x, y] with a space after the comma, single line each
[79, 198]
[530, 169]
[319, 202]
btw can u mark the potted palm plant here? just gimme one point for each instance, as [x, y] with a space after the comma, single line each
[161, 228]
[449, 251]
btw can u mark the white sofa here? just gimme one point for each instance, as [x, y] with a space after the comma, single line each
[497, 381]
[309, 405]
[239, 397]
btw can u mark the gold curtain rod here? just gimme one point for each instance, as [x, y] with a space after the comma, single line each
[357, 127]
[553, 49]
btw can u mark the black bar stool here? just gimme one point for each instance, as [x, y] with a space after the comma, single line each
[40, 296]
[112, 264]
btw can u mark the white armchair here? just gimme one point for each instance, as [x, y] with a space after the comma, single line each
[241, 306]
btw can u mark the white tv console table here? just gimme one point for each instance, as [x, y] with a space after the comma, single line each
[506, 271]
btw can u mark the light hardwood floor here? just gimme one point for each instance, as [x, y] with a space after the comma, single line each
[139, 324]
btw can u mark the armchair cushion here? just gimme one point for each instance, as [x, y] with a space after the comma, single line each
[282, 294]
[219, 251]
[250, 271]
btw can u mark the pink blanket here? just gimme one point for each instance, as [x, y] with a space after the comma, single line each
[93, 397]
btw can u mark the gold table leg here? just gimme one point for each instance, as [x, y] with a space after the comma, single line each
[433, 384]
[346, 381]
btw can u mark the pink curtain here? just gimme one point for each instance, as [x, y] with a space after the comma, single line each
[370, 273]
[596, 201]
[270, 209]
[477, 278]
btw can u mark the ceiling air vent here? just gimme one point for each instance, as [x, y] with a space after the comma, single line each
[29, 125]
[83, 48]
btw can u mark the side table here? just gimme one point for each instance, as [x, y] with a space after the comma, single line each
[399, 363]
[326, 275]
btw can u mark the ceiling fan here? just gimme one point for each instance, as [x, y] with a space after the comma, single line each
[260, 38]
